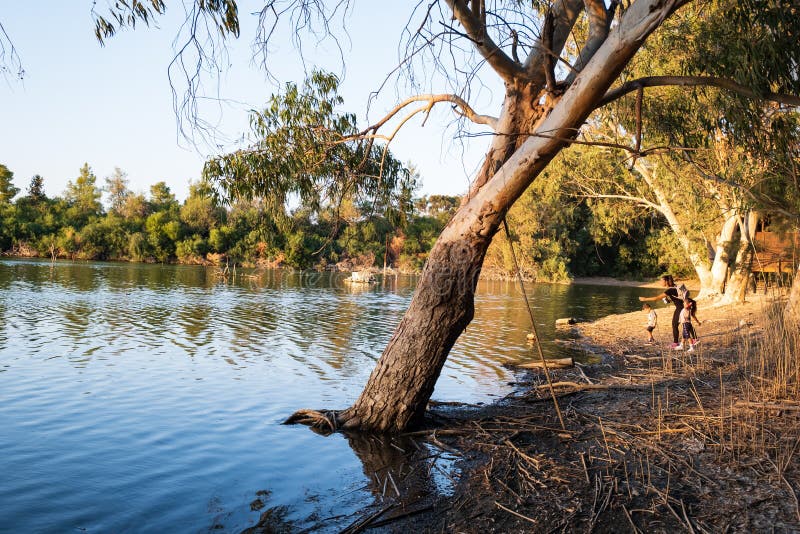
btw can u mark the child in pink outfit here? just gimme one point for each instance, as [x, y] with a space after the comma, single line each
[652, 321]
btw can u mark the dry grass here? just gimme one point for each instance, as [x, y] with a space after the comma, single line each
[656, 440]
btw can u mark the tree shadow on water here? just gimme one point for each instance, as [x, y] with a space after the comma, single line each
[405, 477]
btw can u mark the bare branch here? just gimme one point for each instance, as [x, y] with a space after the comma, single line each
[696, 81]
[371, 132]
[9, 57]
[565, 14]
[636, 200]
[547, 42]
[465, 110]
[636, 152]
[599, 23]
[503, 65]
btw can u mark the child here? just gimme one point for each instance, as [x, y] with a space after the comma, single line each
[652, 321]
[685, 320]
[693, 315]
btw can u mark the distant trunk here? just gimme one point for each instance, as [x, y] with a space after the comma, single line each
[791, 313]
[664, 207]
[736, 289]
[721, 262]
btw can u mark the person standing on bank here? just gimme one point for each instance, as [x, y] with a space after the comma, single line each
[670, 295]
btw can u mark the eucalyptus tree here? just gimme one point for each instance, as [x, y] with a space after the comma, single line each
[557, 63]
[702, 158]
[704, 201]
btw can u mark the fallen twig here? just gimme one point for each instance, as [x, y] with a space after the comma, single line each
[510, 511]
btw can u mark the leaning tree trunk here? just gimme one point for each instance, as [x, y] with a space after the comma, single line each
[398, 390]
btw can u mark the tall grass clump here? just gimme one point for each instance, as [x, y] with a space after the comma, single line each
[770, 361]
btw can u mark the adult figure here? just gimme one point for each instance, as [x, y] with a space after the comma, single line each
[670, 295]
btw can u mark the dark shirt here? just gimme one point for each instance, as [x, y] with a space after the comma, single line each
[672, 293]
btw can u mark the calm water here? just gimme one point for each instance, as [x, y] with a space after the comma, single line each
[149, 398]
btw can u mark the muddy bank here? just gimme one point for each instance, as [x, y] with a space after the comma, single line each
[648, 440]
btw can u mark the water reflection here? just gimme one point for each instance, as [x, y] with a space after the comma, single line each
[149, 397]
[402, 476]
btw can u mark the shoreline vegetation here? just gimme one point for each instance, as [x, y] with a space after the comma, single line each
[653, 439]
[90, 222]
[486, 274]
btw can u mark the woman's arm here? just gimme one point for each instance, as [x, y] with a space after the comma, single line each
[651, 299]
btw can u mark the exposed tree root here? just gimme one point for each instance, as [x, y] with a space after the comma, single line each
[326, 422]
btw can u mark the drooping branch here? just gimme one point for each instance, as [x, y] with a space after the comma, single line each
[464, 109]
[696, 81]
[313, 17]
[503, 65]
[124, 14]
[9, 57]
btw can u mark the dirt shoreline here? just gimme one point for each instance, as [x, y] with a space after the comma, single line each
[609, 281]
[653, 440]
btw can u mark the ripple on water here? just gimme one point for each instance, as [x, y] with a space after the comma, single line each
[149, 398]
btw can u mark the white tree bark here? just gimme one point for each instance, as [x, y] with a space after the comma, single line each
[791, 313]
[721, 262]
[736, 289]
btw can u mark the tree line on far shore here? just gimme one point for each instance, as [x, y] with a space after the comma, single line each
[567, 236]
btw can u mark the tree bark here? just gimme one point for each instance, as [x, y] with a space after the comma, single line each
[791, 313]
[736, 289]
[402, 382]
[719, 266]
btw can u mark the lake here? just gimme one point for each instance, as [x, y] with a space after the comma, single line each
[150, 397]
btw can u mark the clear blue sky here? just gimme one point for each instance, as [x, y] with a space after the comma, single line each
[112, 106]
